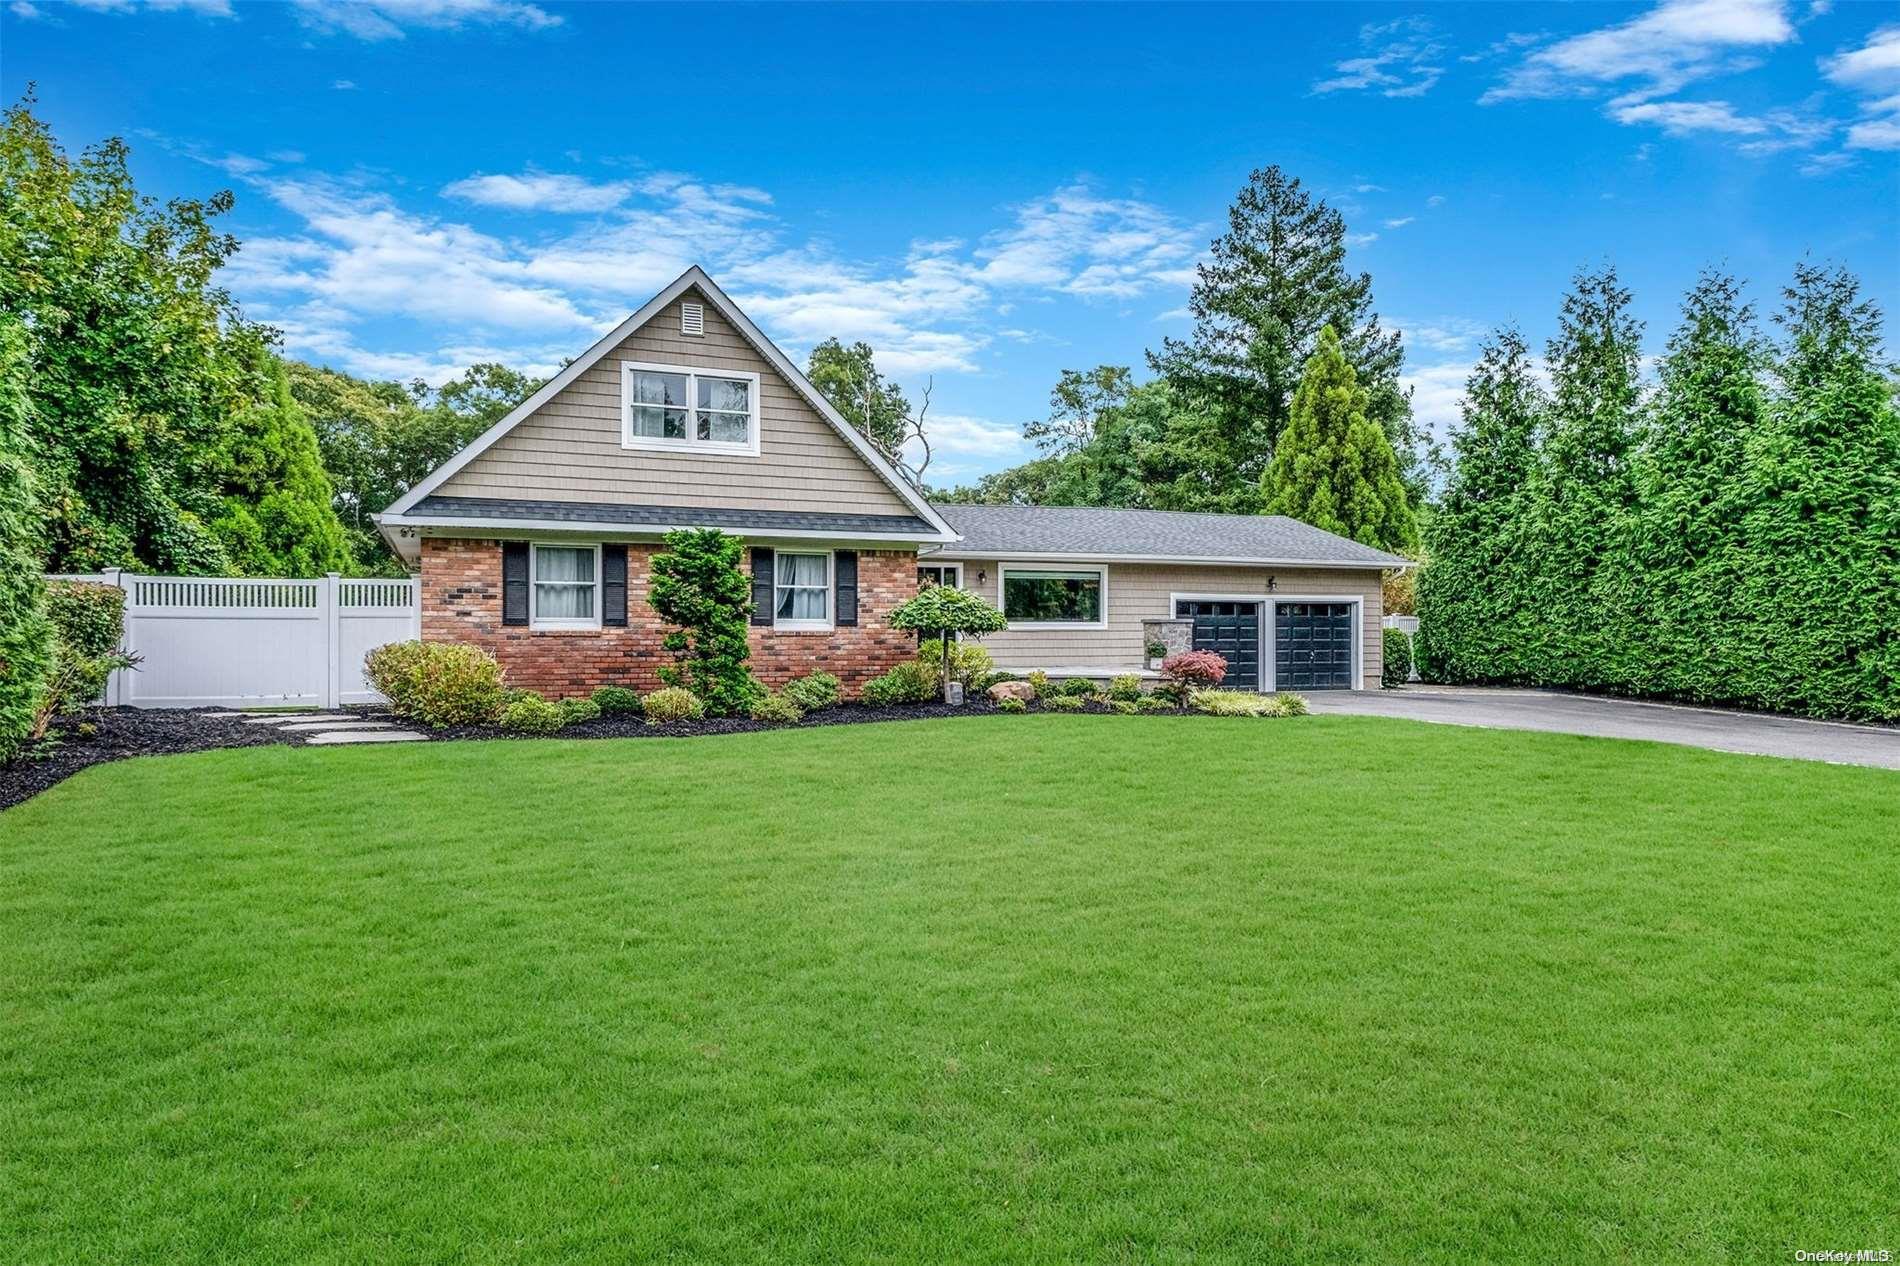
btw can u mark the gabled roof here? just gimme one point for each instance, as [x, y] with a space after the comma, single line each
[1080, 532]
[436, 510]
[693, 278]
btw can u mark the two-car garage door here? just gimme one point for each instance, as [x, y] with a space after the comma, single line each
[1312, 641]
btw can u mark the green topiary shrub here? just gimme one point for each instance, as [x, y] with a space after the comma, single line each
[437, 683]
[617, 701]
[576, 710]
[1011, 705]
[813, 692]
[673, 703]
[1039, 681]
[913, 681]
[1080, 688]
[1398, 659]
[699, 588]
[1064, 703]
[777, 709]
[1125, 688]
[533, 715]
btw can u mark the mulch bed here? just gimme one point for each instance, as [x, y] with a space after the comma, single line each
[118, 733]
[108, 734]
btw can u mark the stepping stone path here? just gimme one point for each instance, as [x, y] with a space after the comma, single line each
[324, 728]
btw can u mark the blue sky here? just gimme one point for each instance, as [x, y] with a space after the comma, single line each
[986, 194]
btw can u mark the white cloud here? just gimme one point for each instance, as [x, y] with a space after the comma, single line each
[387, 19]
[1675, 44]
[957, 435]
[1401, 58]
[24, 9]
[1771, 132]
[344, 85]
[1436, 200]
[1361, 239]
[540, 191]
[1874, 71]
[1437, 392]
[1082, 243]
[1825, 164]
[1368, 188]
[1441, 334]
[1400, 222]
[203, 8]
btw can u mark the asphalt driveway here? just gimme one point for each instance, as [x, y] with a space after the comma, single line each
[1748, 732]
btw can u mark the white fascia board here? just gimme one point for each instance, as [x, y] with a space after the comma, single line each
[1037, 556]
[439, 525]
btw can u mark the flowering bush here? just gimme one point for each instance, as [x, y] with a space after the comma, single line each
[1193, 670]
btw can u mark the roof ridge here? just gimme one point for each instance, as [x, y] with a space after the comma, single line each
[1203, 514]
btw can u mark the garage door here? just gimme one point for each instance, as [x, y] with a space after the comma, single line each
[1232, 631]
[1312, 646]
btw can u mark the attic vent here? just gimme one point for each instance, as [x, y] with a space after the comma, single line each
[692, 318]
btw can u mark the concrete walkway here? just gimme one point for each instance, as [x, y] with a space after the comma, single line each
[1751, 733]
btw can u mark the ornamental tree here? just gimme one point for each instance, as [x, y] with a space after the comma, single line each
[1193, 670]
[944, 610]
[700, 590]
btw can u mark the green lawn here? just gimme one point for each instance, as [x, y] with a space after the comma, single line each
[1020, 988]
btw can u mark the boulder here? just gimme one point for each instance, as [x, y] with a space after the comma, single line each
[1013, 690]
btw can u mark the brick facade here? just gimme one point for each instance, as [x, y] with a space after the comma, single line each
[461, 602]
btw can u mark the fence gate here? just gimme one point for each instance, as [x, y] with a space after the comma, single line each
[207, 641]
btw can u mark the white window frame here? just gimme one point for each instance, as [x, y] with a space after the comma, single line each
[956, 582]
[535, 621]
[831, 590]
[692, 443]
[1002, 595]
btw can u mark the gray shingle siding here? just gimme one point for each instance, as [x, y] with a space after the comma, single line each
[1155, 534]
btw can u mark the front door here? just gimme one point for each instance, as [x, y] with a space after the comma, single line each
[1232, 631]
[1312, 645]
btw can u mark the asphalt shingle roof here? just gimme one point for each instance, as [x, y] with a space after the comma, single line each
[1164, 534]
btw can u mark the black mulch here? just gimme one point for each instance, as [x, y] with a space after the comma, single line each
[107, 734]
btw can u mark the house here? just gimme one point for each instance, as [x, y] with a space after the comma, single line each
[536, 541]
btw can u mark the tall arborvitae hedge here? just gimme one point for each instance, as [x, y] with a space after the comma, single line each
[1734, 540]
[1472, 597]
[25, 634]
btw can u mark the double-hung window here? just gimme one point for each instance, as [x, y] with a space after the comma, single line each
[803, 584]
[680, 408]
[565, 584]
[1068, 598]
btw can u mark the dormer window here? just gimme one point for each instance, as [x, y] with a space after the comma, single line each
[676, 407]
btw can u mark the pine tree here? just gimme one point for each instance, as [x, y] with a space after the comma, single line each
[1276, 278]
[1581, 497]
[278, 517]
[1473, 621]
[1676, 623]
[1822, 587]
[1333, 466]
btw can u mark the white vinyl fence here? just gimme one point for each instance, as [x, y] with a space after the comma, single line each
[209, 641]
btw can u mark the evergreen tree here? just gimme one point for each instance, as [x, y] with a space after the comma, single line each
[1677, 631]
[278, 517]
[1581, 497]
[1276, 278]
[26, 635]
[1822, 586]
[1471, 606]
[1333, 466]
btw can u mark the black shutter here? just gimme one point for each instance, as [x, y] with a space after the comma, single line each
[845, 588]
[514, 582]
[762, 587]
[613, 586]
